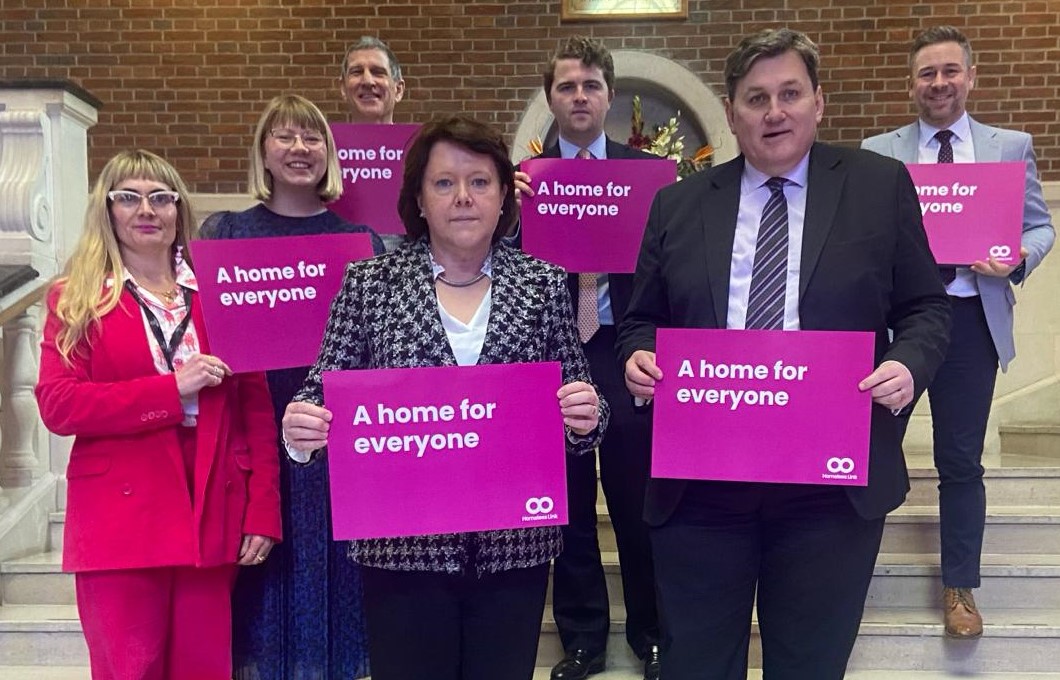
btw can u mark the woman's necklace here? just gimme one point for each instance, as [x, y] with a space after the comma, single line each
[168, 296]
[462, 284]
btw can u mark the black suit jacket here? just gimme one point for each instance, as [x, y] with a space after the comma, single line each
[620, 286]
[865, 266]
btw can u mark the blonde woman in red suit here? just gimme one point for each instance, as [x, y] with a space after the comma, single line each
[173, 476]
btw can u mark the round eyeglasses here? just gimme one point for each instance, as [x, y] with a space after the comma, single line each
[286, 139]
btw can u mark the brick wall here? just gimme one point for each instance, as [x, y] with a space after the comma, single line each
[188, 79]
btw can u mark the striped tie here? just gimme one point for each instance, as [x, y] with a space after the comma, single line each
[769, 277]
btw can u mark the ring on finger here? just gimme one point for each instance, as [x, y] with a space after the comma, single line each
[260, 558]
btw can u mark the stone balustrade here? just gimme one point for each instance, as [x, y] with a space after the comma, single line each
[43, 195]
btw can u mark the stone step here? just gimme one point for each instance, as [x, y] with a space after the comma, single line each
[543, 673]
[46, 672]
[41, 635]
[1036, 440]
[895, 640]
[36, 580]
[892, 639]
[1027, 484]
[1031, 529]
[1005, 486]
[914, 580]
[1009, 582]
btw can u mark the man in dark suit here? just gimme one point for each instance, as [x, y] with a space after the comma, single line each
[941, 77]
[839, 234]
[579, 84]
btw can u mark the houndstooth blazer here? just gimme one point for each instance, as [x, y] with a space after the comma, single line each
[386, 316]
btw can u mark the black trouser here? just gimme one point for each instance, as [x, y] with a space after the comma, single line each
[960, 397]
[801, 549]
[435, 626]
[579, 590]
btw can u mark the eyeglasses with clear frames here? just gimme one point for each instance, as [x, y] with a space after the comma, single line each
[286, 138]
[158, 200]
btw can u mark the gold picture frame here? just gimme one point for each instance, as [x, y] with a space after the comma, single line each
[622, 10]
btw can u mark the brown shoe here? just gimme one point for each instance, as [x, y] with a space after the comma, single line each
[961, 616]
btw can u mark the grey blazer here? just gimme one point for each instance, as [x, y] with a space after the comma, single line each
[992, 145]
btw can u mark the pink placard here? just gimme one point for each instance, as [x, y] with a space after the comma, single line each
[418, 451]
[265, 300]
[372, 160]
[972, 211]
[589, 216]
[762, 406]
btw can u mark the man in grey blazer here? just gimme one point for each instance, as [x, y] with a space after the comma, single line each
[942, 75]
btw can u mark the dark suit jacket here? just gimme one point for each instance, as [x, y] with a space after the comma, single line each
[620, 286]
[865, 266]
[386, 316]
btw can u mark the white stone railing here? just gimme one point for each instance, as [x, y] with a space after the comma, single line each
[23, 452]
[43, 195]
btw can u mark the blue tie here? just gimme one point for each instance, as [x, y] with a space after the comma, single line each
[769, 277]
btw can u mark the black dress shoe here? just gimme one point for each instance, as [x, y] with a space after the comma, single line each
[652, 663]
[579, 664]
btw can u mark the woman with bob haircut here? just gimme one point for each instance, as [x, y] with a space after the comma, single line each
[454, 294]
[301, 615]
[173, 479]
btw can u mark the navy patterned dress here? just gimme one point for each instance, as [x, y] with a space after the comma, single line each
[298, 616]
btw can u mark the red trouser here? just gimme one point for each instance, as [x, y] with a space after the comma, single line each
[165, 623]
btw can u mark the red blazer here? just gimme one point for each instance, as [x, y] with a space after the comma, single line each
[127, 499]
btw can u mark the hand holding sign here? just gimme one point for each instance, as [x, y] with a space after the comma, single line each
[199, 371]
[522, 186]
[579, 405]
[994, 268]
[891, 385]
[642, 373]
[306, 426]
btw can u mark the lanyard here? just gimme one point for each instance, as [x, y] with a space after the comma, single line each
[169, 349]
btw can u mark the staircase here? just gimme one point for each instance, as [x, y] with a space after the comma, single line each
[901, 634]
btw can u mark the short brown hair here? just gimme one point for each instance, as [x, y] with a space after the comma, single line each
[469, 134]
[590, 52]
[941, 34]
[767, 43]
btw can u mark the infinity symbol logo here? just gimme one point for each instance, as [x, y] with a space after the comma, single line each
[999, 252]
[840, 465]
[539, 506]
